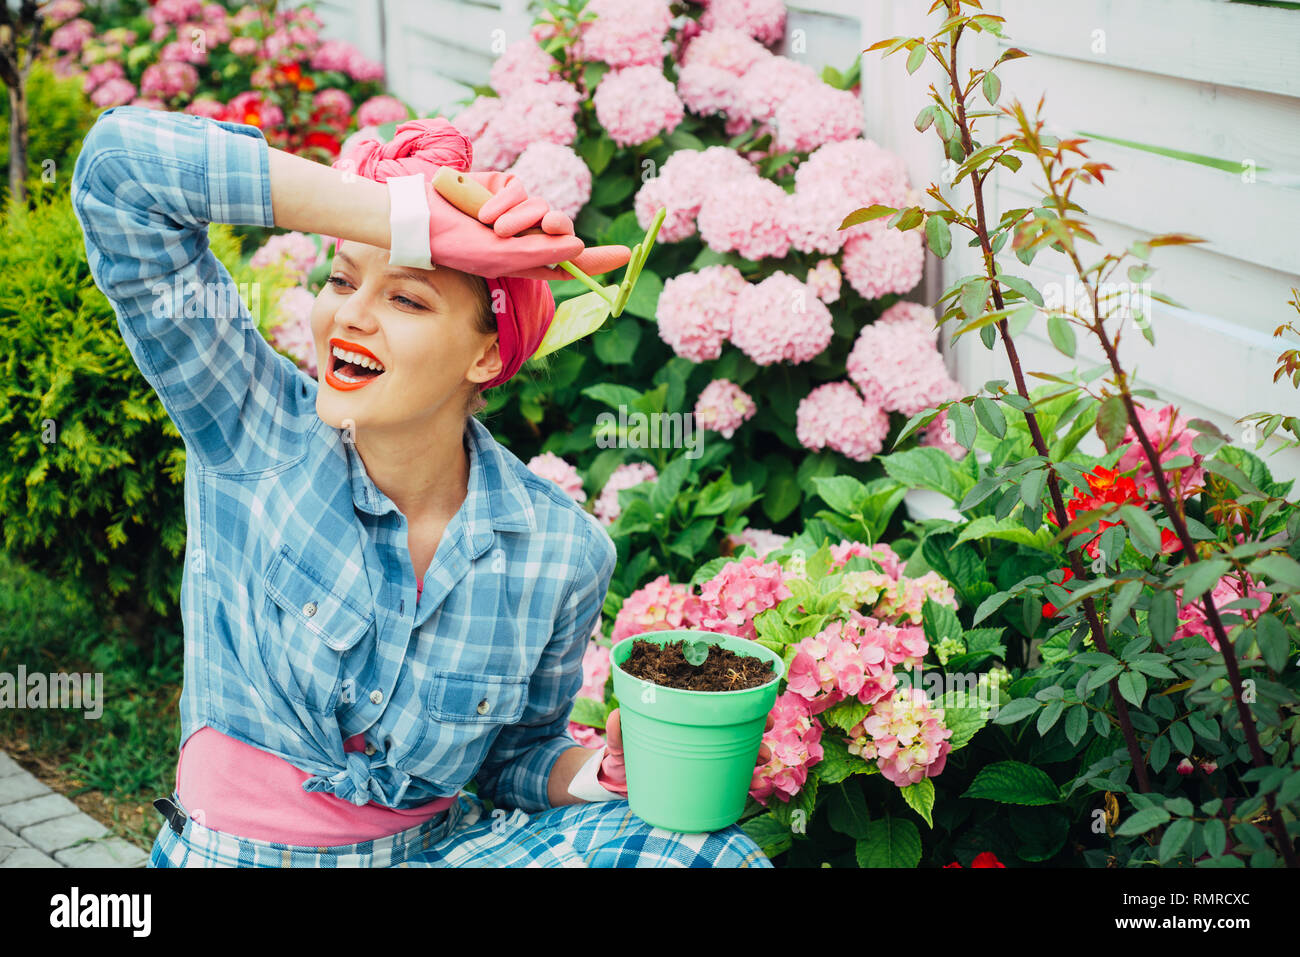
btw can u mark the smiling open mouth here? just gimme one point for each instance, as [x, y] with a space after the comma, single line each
[351, 370]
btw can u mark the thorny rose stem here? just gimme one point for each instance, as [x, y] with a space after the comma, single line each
[1058, 503]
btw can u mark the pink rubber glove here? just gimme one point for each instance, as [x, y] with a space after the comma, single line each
[491, 246]
[612, 774]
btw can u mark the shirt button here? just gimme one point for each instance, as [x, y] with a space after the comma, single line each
[484, 707]
[376, 696]
[370, 749]
[309, 609]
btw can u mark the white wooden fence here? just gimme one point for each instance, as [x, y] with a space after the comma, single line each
[1217, 78]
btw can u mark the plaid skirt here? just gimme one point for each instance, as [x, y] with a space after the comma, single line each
[598, 834]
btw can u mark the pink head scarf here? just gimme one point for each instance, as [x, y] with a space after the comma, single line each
[524, 308]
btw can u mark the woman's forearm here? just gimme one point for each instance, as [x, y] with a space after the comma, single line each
[314, 198]
[566, 766]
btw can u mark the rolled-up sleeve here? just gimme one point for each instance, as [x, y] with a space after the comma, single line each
[517, 771]
[145, 187]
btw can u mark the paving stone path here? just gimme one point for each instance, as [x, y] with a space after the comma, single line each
[39, 828]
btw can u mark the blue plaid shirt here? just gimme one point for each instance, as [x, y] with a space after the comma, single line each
[298, 597]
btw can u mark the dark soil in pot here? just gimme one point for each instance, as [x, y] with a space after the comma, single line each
[722, 670]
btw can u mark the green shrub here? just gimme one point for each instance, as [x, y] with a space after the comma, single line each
[58, 117]
[91, 485]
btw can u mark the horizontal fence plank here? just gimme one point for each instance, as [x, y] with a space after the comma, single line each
[1231, 44]
[1254, 222]
[1242, 127]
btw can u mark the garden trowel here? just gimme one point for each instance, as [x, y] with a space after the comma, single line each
[577, 317]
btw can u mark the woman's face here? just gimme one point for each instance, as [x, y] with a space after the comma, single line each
[419, 324]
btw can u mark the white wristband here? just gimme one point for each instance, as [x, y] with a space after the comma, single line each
[585, 785]
[408, 221]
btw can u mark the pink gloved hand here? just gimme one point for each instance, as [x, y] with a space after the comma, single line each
[492, 246]
[612, 774]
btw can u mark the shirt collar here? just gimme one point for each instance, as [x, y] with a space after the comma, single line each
[495, 500]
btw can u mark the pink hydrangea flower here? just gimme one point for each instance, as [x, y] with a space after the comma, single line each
[1171, 437]
[296, 250]
[379, 110]
[761, 540]
[474, 119]
[767, 84]
[883, 260]
[521, 62]
[835, 180]
[101, 73]
[738, 592]
[794, 745]
[168, 79]
[764, 20]
[816, 114]
[899, 368]
[535, 112]
[244, 46]
[905, 736]
[184, 51]
[723, 407]
[625, 33]
[907, 600]
[70, 37]
[363, 69]
[681, 187]
[695, 311]
[726, 49]
[292, 333]
[882, 553]
[557, 174]
[835, 416]
[607, 508]
[175, 11]
[783, 321]
[117, 92]
[847, 658]
[586, 736]
[149, 103]
[1192, 620]
[550, 466]
[656, 606]
[745, 215]
[330, 55]
[706, 90]
[824, 280]
[333, 101]
[636, 104]
[204, 107]
[59, 11]
[595, 671]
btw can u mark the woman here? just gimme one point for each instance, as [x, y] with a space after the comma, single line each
[332, 711]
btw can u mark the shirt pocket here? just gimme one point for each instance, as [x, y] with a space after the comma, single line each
[465, 712]
[311, 628]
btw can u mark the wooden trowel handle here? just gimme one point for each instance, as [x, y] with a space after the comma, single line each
[467, 194]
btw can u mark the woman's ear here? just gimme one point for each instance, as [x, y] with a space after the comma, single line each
[488, 365]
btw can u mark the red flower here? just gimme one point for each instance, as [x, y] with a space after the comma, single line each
[323, 141]
[986, 859]
[1049, 610]
[1169, 542]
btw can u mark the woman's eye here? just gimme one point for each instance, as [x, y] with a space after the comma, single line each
[337, 281]
[407, 302]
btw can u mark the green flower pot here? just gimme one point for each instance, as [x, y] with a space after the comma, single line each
[690, 755]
